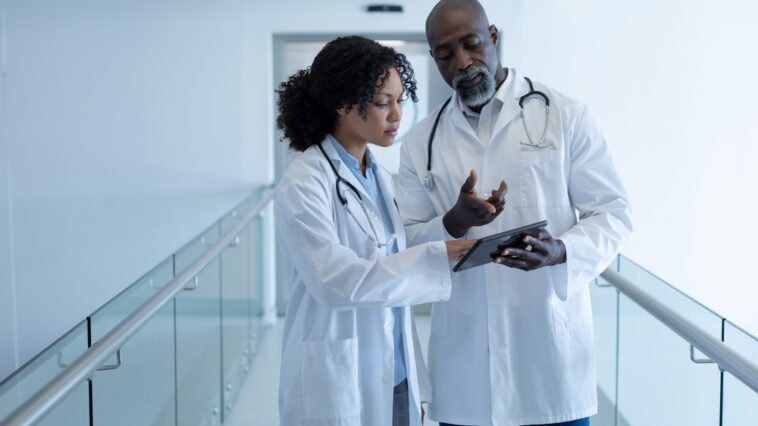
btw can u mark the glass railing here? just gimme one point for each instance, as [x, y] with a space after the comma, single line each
[186, 365]
[649, 375]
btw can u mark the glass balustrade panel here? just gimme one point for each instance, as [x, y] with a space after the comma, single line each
[604, 299]
[740, 402]
[141, 391]
[657, 381]
[236, 290]
[37, 373]
[198, 337]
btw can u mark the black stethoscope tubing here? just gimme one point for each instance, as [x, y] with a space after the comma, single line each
[343, 200]
[428, 179]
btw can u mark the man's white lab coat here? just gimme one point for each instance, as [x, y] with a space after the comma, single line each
[519, 349]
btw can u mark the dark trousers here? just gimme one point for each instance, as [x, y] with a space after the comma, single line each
[400, 407]
[579, 422]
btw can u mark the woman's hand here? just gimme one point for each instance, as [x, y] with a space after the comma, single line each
[456, 249]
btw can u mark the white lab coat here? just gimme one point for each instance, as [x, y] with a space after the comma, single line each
[518, 349]
[338, 349]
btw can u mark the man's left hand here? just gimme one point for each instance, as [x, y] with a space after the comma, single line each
[544, 250]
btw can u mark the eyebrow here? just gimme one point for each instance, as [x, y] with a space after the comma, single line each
[460, 40]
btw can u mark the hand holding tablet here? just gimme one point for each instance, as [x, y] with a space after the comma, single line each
[480, 253]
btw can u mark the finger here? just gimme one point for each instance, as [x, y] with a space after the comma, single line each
[484, 214]
[525, 255]
[544, 235]
[468, 185]
[483, 207]
[498, 203]
[501, 190]
[538, 245]
[504, 245]
[528, 258]
[514, 263]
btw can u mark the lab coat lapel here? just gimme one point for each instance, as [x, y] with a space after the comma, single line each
[345, 172]
[455, 113]
[509, 93]
[386, 186]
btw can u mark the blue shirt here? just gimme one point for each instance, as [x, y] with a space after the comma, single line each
[371, 185]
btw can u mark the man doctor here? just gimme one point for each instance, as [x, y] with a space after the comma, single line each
[517, 350]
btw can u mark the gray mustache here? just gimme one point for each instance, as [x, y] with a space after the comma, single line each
[467, 74]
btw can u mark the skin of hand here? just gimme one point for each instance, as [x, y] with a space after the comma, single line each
[544, 251]
[456, 249]
[471, 210]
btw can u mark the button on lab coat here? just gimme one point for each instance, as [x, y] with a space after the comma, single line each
[518, 349]
[338, 349]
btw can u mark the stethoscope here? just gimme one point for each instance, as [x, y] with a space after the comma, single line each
[429, 179]
[343, 200]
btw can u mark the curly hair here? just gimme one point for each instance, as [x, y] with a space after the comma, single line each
[345, 73]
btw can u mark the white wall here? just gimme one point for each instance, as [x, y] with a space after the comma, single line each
[124, 134]
[126, 127]
[674, 86]
[130, 126]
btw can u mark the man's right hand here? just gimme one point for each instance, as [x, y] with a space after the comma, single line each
[471, 210]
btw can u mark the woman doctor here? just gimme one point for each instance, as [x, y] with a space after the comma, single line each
[350, 352]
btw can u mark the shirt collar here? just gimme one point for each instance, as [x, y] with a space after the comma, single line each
[350, 161]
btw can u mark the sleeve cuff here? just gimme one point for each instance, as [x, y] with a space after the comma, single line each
[562, 276]
[445, 235]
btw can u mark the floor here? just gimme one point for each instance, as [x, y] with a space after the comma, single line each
[257, 403]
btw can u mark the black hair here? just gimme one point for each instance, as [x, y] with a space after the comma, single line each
[346, 72]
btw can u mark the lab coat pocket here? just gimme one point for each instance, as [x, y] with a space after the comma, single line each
[573, 313]
[541, 177]
[330, 389]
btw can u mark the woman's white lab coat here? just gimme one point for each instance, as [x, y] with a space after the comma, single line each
[513, 347]
[337, 354]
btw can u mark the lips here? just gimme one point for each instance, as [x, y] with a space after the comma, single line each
[472, 82]
[391, 132]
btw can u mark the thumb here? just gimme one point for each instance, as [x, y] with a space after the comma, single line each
[468, 186]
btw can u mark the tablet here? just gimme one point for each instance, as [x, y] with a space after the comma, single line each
[479, 254]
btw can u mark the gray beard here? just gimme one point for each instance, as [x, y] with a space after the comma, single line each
[480, 93]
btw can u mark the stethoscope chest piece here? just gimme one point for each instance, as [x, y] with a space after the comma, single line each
[429, 180]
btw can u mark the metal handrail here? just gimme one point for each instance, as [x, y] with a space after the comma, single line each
[727, 358]
[84, 367]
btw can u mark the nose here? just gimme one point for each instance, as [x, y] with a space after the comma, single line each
[463, 59]
[396, 112]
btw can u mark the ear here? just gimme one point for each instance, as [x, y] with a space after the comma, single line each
[494, 34]
[342, 111]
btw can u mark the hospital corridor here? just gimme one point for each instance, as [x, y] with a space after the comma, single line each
[359, 213]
